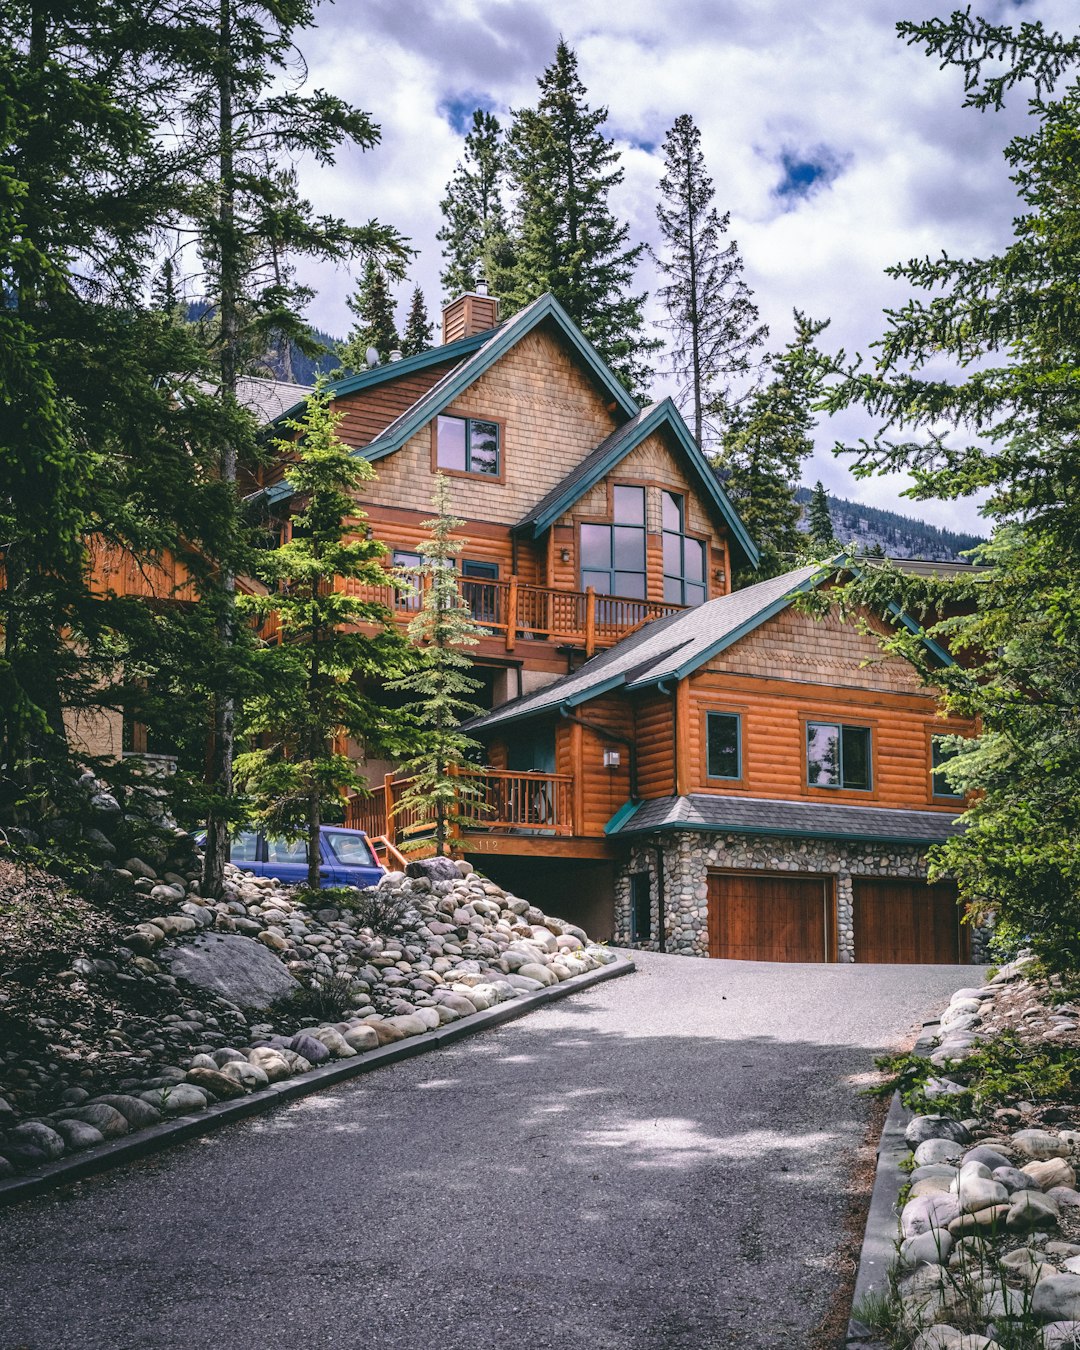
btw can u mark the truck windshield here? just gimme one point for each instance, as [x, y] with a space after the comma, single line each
[351, 849]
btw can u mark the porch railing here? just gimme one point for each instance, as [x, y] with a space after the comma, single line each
[507, 801]
[523, 612]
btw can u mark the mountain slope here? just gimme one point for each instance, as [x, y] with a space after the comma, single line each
[898, 535]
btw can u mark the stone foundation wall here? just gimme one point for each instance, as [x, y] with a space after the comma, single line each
[689, 856]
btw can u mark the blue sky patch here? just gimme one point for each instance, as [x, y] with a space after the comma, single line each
[459, 109]
[803, 172]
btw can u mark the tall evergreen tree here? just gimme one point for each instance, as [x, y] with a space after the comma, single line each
[819, 519]
[417, 334]
[443, 629]
[567, 240]
[373, 306]
[474, 228]
[244, 124]
[711, 315]
[319, 676]
[764, 446]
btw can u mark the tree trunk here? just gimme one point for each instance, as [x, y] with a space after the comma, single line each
[221, 766]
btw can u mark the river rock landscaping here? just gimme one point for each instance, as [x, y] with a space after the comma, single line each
[988, 1250]
[171, 1001]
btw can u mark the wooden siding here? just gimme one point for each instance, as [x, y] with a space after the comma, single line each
[553, 416]
[654, 734]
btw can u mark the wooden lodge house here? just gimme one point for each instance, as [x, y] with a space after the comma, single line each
[684, 767]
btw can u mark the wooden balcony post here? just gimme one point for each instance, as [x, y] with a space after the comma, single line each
[590, 621]
[511, 612]
[388, 806]
[577, 776]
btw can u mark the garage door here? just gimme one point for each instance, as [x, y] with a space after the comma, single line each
[765, 916]
[907, 921]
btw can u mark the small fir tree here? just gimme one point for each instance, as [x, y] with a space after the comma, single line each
[474, 217]
[318, 677]
[711, 315]
[764, 446]
[567, 240]
[417, 335]
[819, 520]
[373, 306]
[442, 629]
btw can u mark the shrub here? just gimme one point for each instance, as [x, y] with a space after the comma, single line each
[379, 908]
[327, 997]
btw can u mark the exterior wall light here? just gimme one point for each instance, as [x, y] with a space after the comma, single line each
[612, 759]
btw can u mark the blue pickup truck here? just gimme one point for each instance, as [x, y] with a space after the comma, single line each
[347, 857]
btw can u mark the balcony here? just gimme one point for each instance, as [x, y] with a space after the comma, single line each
[518, 611]
[503, 802]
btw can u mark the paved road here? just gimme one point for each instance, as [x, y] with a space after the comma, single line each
[658, 1162]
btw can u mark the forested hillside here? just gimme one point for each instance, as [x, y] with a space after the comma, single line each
[898, 535]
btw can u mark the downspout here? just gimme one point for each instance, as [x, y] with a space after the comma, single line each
[611, 736]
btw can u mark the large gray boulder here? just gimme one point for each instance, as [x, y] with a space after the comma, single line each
[243, 971]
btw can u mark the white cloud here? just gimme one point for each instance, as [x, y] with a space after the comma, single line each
[917, 173]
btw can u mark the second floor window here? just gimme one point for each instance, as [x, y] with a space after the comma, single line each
[940, 755]
[723, 751]
[837, 756]
[613, 556]
[684, 559]
[467, 445]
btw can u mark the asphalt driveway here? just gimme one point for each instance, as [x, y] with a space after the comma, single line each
[659, 1162]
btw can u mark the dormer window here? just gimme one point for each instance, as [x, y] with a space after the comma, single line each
[468, 445]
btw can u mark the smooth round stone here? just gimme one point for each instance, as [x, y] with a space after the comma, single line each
[976, 1221]
[1067, 1197]
[1012, 1178]
[1039, 1145]
[987, 1156]
[938, 1151]
[926, 1249]
[977, 1193]
[312, 1050]
[1031, 1209]
[931, 1186]
[1057, 1299]
[107, 1119]
[77, 1134]
[933, 1170]
[1061, 1336]
[272, 1062]
[922, 1128]
[1049, 1173]
[138, 1114]
[250, 1077]
[176, 1100]
[927, 1213]
[213, 1080]
[31, 1143]
[361, 1038]
[224, 1055]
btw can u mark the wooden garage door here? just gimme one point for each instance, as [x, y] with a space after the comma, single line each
[766, 916]
[907, 921]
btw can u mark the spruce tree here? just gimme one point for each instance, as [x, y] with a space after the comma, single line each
[373, 306]
[819, 520]
[417, 334]
[711, 315]
[567, 240]
[319, 679]
[474, 218]
[763, 448]
[439, 793]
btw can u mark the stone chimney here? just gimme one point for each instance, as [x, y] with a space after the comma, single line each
[474, 312]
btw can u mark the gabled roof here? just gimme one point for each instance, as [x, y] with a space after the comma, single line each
[612, 450]
[807, 820]
[671, 648]
[498, 343]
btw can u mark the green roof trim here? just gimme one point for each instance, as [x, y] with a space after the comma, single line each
[499, 341]
[621, 815]
[705, 827]
[618, 445]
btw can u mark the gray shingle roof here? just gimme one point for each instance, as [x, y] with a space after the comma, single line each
[660, 649]
[757, 815]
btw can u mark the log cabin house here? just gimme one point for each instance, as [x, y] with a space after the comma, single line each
[686, 768]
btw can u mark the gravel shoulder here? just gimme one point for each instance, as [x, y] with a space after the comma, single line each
[660, 1162]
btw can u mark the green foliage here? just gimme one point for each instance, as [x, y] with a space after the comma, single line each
[764, 445]
[438, 792]
[711, 315]
[374, 308]
[998, 1072]
[821, 534]
[474, 229]
[379, 908]
[416, 336]
[317, 677]
[326, 998]
[567, 240]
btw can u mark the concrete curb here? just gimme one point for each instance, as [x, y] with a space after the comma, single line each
[118, 1151]
[878, 1252]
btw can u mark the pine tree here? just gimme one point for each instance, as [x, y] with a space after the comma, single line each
[373, 306]
[711, 315]
[439, 793]
[417, 335]
[474, 230]
[819, 520]
[566, 238]
[763, 448]
[318, 679]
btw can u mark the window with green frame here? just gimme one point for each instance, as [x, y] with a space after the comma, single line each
[723, 745]
[467, 445]
[613, 556]
[684, 558]
[940, 754]
[838, 756]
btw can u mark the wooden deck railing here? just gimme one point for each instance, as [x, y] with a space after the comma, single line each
[508, 802]
[520, 611]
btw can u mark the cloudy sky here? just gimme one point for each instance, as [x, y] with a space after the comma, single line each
[837, 149]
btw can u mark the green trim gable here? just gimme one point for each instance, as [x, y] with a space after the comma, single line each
[615, 449]
[499, 341]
